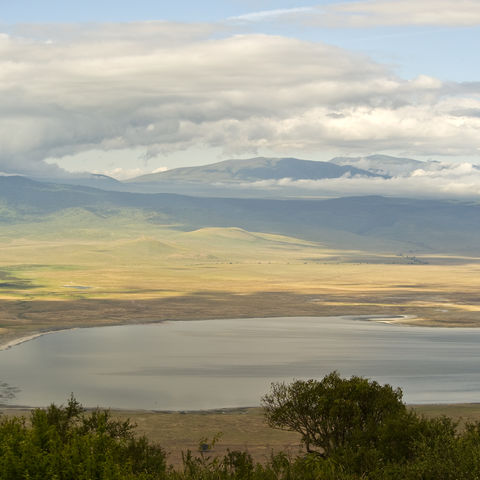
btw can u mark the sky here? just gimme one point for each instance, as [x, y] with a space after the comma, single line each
[126, 88]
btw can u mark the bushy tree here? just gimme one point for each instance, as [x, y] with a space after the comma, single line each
[334, 413]
[65, 443]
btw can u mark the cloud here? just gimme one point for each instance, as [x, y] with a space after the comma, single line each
[111, 87]
[160, 169]
[435, 180]
[375, 13]
[270, 14]
[403, 12]
[122, 173]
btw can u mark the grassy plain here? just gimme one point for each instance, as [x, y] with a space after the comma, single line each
[81, 269]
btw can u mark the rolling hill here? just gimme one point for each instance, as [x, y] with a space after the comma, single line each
[371, 223]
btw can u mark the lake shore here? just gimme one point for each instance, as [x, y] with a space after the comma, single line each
[14, 341]
[27, 338]
[21, 321]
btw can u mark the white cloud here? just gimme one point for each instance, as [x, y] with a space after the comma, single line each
[270, 14]
[122, 173]
[403, 12]
[436, 180]
[160, 169]
[374, 13]
[142, 86]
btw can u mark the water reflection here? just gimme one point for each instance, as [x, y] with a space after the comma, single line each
[226, 363]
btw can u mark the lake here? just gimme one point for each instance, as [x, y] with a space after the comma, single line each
[192, 365]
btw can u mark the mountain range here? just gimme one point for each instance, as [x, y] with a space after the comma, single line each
[254, 170]
[372, 223]
[294, 178]
[245, 178]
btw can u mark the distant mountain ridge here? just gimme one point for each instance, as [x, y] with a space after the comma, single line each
[262, 168]
[289, 177]
[95, 180]
[385, 164]
[254, 170]
[370, 222]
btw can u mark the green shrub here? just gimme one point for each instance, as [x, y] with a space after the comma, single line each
[371, 436]
[63, 443]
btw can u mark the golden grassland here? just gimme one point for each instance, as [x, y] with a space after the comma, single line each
[58, 274]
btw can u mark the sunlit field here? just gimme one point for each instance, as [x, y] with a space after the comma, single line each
[81, 269]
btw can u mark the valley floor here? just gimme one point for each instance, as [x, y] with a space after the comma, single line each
[64, 275]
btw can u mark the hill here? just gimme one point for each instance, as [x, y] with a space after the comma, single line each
[94, 180]
[370, 223]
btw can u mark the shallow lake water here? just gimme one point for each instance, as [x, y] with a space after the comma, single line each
[192, 365]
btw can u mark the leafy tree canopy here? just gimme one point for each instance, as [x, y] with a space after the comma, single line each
[334, 412]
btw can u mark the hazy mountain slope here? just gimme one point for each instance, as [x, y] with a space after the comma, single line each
[353, 222]
[252, 170]
[293, 178]
[385, 164]
[93, 180]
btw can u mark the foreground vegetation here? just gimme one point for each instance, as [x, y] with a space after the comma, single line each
[356, 429]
